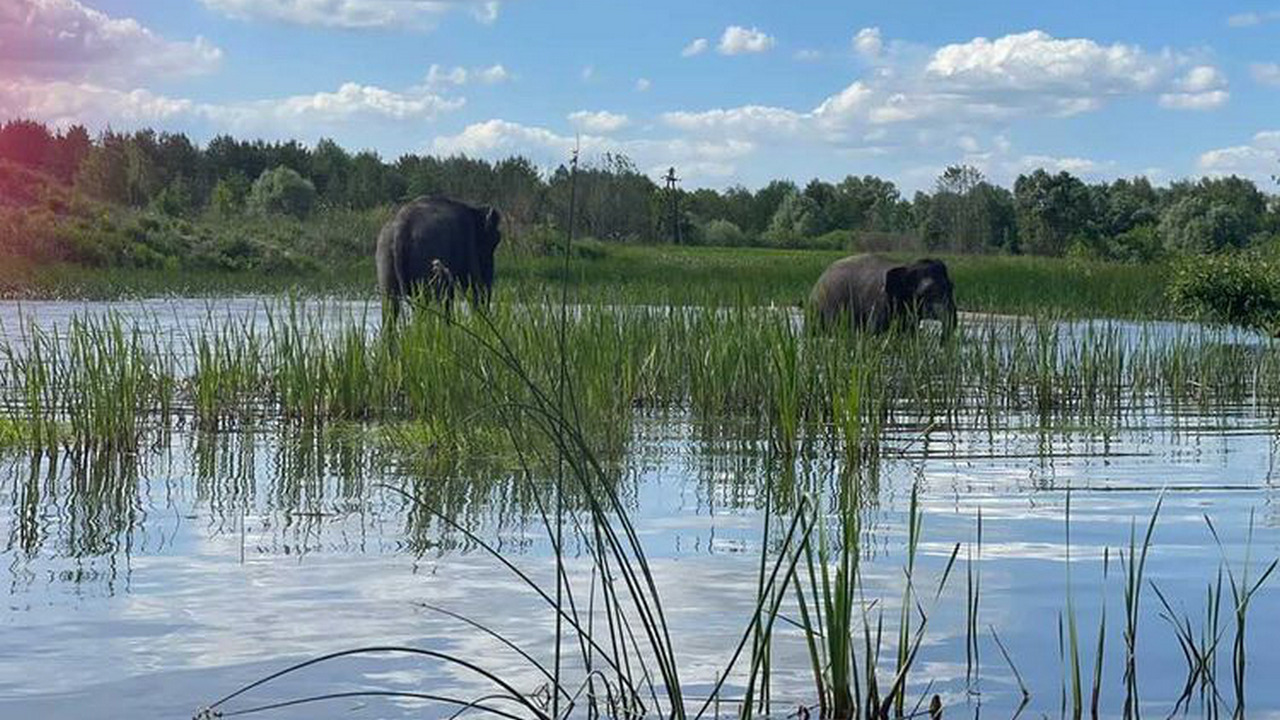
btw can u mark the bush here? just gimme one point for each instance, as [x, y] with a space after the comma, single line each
[546, 241]
[1141, 244]
[834, 240]
[282, 191]
[229, 195]
[881, 241]
[723, 233]
[1240, 289]
[175, 200]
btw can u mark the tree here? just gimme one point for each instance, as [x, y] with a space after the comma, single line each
[956, 219]
[176, 158]
[1196, 224]
[71, 147]
[229, 195]
[26, 142]
[968, 214]
[282, 191]
[1051, 209]
[365, 186]
[823, 195]
[1125, 204]
[764, 205]
[797, 218]
[330, 171]
[175, 199]
[869, 203]
[103, 174]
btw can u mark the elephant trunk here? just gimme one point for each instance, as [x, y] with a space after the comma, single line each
[946, 313]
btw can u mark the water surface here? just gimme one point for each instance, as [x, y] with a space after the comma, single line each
[152, 584]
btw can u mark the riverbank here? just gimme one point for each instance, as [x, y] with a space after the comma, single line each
[654, 274]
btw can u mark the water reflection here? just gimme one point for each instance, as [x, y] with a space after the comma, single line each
[211, 556]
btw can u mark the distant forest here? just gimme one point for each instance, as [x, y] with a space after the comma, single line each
[58, 174]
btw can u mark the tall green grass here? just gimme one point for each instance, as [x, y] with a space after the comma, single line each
[655, 274]
[102, 379]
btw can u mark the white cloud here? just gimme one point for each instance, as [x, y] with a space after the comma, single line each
[492, 75]
[1073, 165]
[66, 40]
[977, 83]
[643, 85]
[1194, 101]
[922, 100]
[600, 122]
[1203, 87]
[867, 42]
[1252, 19]
[499, 138]
[1200, 79]
[487, 12]
[348, 102]
[738, 40]
[439, 76]
[62, 103]
[1260, 159]
[1035, 61]
[354, 14]
[748, 120]
[807, 55]
[1266, 73]
[849, 105]
[696, 47]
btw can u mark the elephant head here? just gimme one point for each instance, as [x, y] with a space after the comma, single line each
[488, 235]
[923, 290]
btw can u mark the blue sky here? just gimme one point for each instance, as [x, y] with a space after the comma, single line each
[729, 92]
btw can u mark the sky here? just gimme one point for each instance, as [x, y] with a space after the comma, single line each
[729, 92]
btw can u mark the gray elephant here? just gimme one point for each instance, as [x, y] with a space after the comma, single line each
[874, 293]
[436, 244]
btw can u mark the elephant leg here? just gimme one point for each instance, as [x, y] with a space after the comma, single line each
[390, 311]
[878, 319]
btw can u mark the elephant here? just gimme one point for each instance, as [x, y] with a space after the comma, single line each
[875, 293]
[437, 244]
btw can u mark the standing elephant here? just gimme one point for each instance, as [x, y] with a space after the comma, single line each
[437, 243]
[873, 293]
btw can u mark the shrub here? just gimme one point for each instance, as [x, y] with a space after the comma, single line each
[282, 191]
[229, 195]
[724, 233]
[834, 240]
[881, 241]
[175, 200]
[1239, 288]
[1141, 244]
[546, 241]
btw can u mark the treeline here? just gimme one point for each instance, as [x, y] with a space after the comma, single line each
[1045, 213]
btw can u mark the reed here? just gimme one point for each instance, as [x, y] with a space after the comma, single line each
[313, 363]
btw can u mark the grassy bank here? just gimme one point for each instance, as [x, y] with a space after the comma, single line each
[655, 274]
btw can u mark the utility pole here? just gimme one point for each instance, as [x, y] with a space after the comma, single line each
[673, 196]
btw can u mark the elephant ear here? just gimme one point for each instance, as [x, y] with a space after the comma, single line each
[490, 222]
[897, 283]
